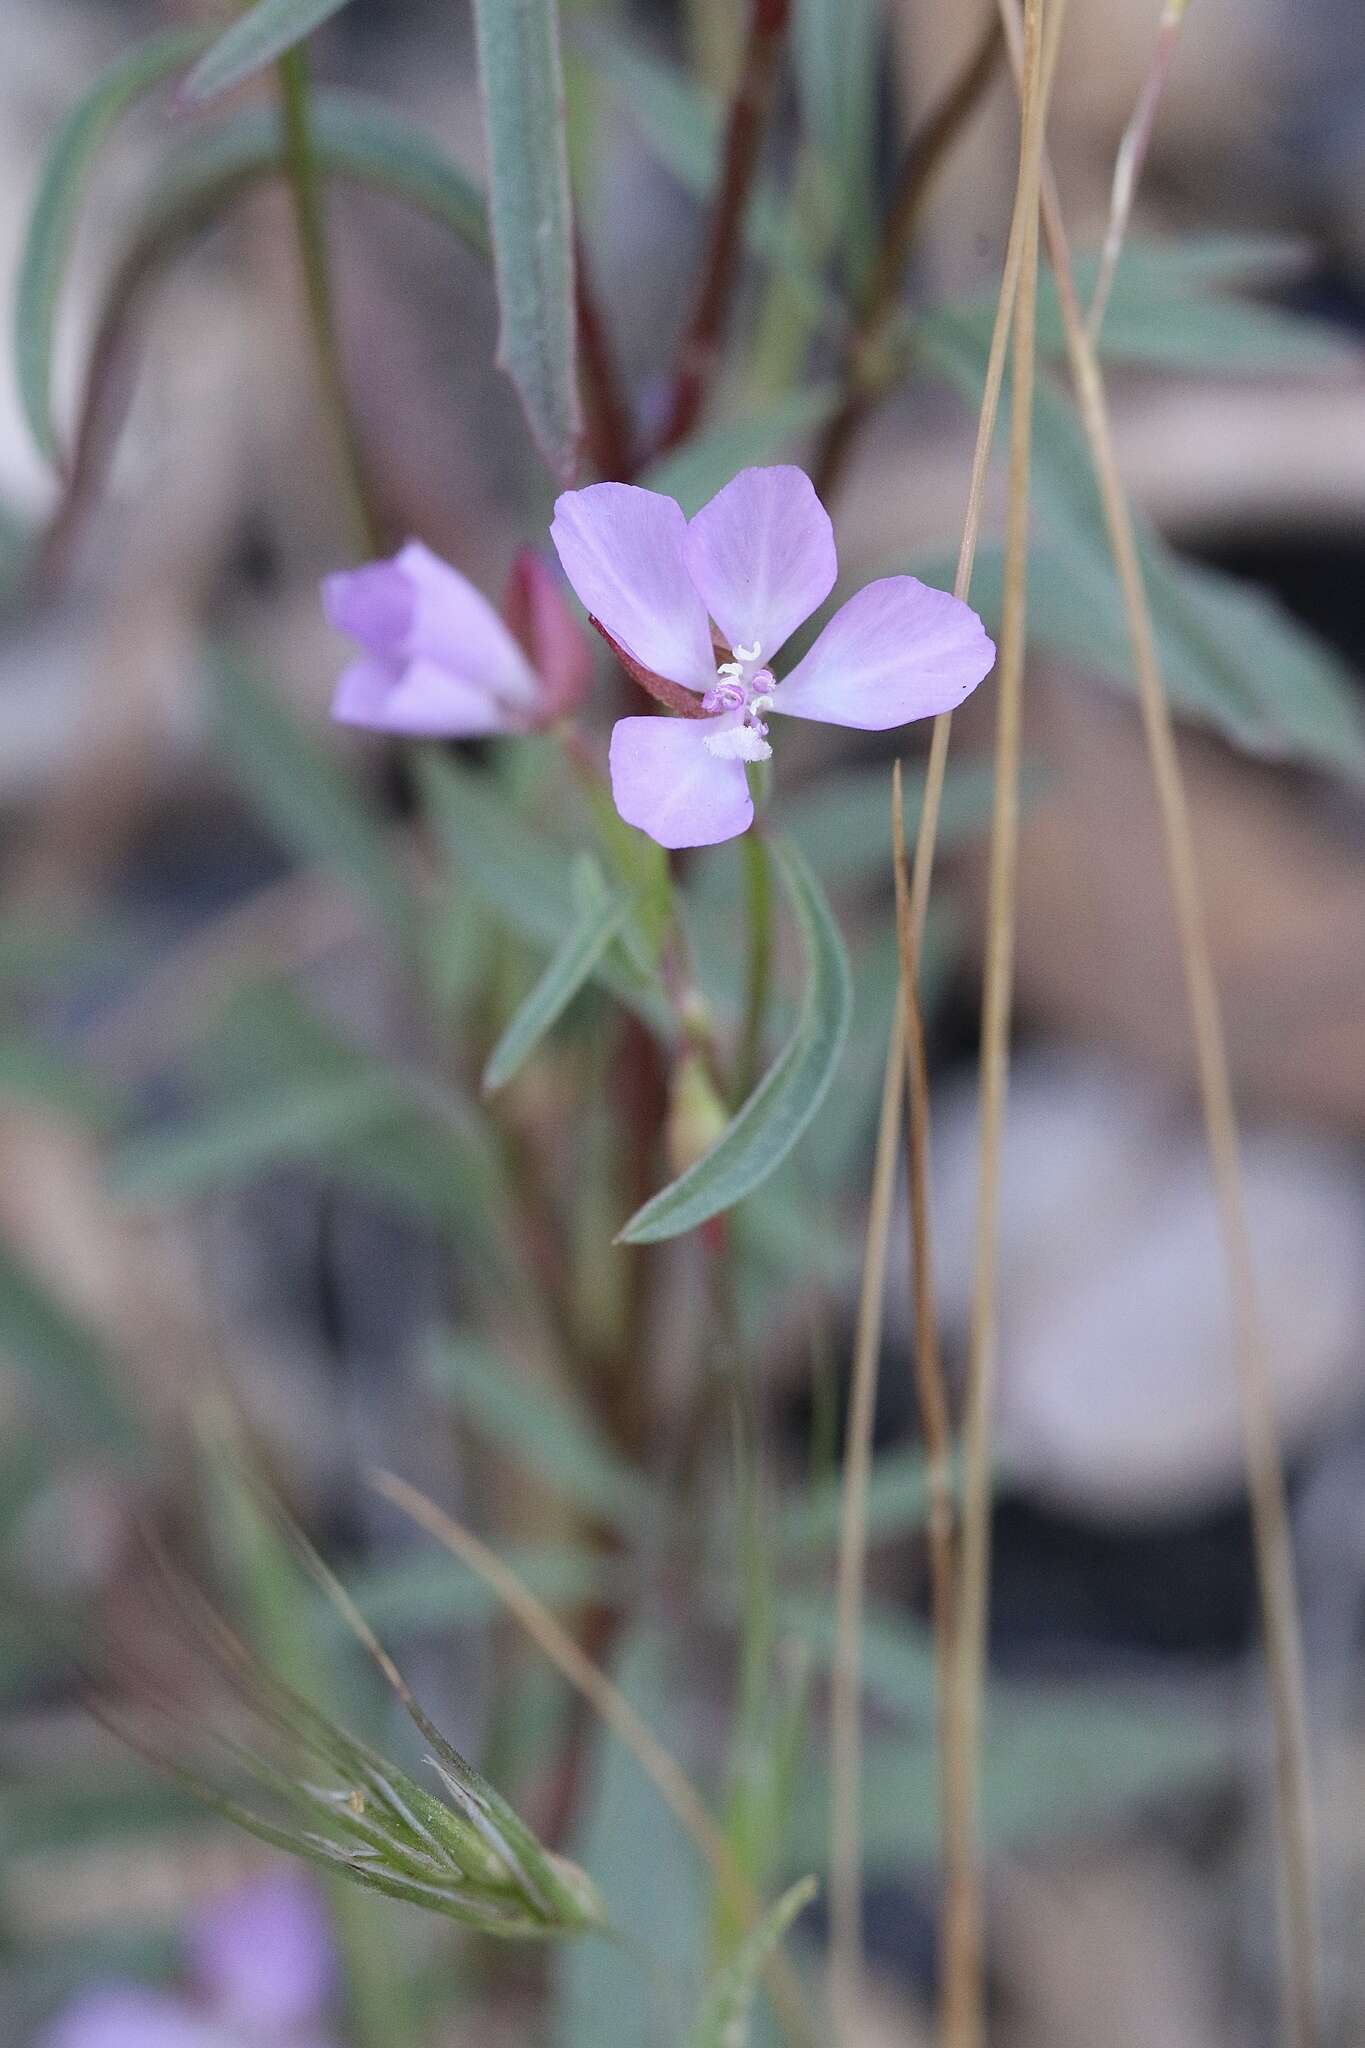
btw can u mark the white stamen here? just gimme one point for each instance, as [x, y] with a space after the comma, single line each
[748, 653]
[738, 743]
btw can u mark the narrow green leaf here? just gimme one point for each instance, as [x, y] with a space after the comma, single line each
[303, 791]
[522, 84]
[286, 1088]
[269, 1125]
[836, 46]
[1054, 1764]
[1231, 657]
[254, 40]
[62, 187]
[583, 946]
[421, 1592]
[841, 821]
[541, 1427]
[727, 2015]
[355, 138]
[767, 1126]
[610, 1994]
[520, 873]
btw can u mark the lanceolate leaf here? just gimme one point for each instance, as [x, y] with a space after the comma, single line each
[836, 46]
[254, 40]
[780, 1108]
[727, 2015]
[303, 791]
[522, 875]
[355, 138]
[584, 944]
[52, 224]
[528, 175]
[1231, 657]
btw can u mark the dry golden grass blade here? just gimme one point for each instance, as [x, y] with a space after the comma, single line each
[963, 2017]
[846, 1699]
[932, 1393]
[845, 1733]
[612, 1707]
[1272, 1533]
[1132, 152]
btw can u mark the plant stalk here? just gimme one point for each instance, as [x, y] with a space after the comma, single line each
[306, 189]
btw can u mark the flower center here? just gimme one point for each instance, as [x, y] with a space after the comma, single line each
[741, 693]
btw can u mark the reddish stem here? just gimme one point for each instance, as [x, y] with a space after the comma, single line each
[749, 110]
[611, 435]
[925, 153]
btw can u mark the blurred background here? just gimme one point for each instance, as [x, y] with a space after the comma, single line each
[184, 978]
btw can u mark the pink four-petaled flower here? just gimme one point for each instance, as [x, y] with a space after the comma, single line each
[757, 560]
[439, 662]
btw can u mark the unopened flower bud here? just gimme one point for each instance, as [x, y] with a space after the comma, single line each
[696, 1114]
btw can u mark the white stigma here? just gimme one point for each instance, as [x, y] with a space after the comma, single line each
[738, 743]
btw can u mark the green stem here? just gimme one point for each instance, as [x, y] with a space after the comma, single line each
[301, 161]
[758, 907]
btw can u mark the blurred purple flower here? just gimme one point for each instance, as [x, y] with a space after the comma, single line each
[758, 560]
[438, 661]
[262, 1968]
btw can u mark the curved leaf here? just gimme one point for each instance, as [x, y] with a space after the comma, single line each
[521, 79]
[62, 186]
[764, 1130]
[601, 917]
[302, 790]
[265, 32]
[726, 2017]
[355, 138]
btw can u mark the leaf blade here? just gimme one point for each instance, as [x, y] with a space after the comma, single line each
[522, 86]
[266, 31]
[765, 1128]
[569, 969]
[303, 791]
[56, 208]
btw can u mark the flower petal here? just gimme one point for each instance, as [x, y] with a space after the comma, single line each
[454, 625]
[897, 650]
[372, 605]
[666, 781]
[420, 701]
[622, 550]
[264, 1955]
[762, 556]
[126, 2016]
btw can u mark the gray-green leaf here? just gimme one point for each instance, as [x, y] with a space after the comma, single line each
[522, 83]
[600, 919]
[303, 791]
[254, 40]
[728, 2012]
[763, 1131]
[52, 223]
